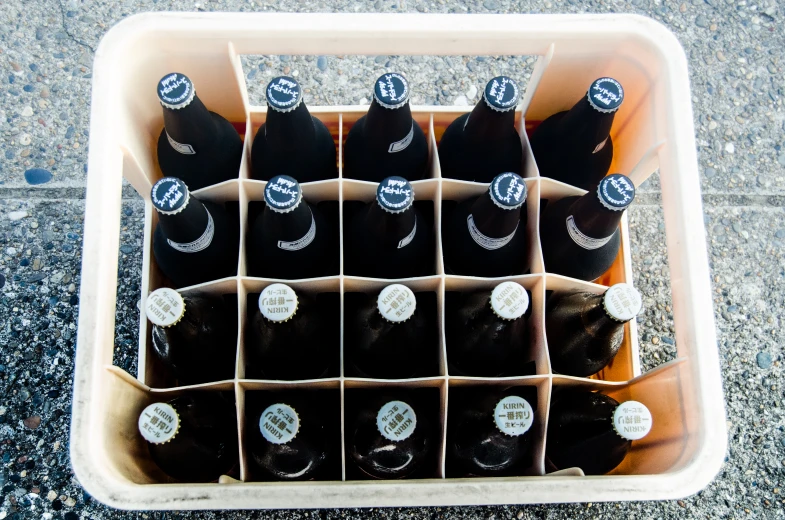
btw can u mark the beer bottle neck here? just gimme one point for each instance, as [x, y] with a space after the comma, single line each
[596, 320]
[292, 224]
[390, 228]
[493, 221]
[592, 218]
[187, 225]
[287, 130]
[386, 126]
[191, 125]
[584, 128]
[485, 124]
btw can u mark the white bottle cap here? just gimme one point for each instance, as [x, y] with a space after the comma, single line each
[632, 420]
[279, 423]
[164, 307]
[159, 423]
[509, 300]
[513, 415]
[622, 302]
[396, 303]
[396, 421]
[278, 302]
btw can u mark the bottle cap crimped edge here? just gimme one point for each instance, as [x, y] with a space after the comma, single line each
[280, 184]
[391, 188]
[615, 97]
[165, 307]
[396, 303]
[286, 85]
[159, 423]
[172, 82]
[616, 192]
[391, 426]
[499, 104]
[522, 416]
[622, 302]
[384, 84]
[175, 192]
[509, 301]
[632, 420]
[272, 416]
[278, 302]
[508, 186]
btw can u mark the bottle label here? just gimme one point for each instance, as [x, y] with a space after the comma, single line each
[513, 415]
[164, 307]
[601, 145]
[301, 243]
[201, 243]
[403, 144]
[622, 302]
[485, 242]
[185, 149]
[158, 423]
[405, 241]
[396, 303]
[278, 302]
[508, 190]
[396, 421]
[509, 300]
[632, 420]
[582, 240]
[279, 423]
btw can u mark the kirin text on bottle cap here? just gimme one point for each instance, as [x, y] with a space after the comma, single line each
[605, 95]
[391, 90]
[282, 194]
[396, 421]
[164, 307]
[508, 190]
[159, 423]
[396, 303]
[509, 300]
[278, 302]
[616, 192]
[170, 195]
[284, 94]
[622, 302]
[175, 91]
[501, 94]
[279, 423]
[513, 415]
[632, 420]
[395, 194]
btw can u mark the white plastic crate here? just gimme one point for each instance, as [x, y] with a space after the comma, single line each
[653, 129]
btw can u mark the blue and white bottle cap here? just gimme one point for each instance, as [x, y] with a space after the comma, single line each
[501, 94]
[175, 91]
[282, 194]
[508, 190]
[395, 194]
[605, 95]
[284, 94]
[391, 90]
[616, 192]
[170, 195]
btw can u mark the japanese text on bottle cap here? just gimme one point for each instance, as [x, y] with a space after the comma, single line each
[616, 192]
[278, 302]
[391, 90]
[169, 195]
[283, 94]
[513, 415]
[395, 194]
[164, 307]
[396, 421]
[158, 423]
[632, 420]
[396, 303]
[622, 302]
[282, 193]
[605, 95]
[509, 300]
[279, 423]
[508, 190]
[175, 90]
[501, 93]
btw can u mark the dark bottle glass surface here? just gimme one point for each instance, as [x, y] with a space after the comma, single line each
[580, 235]
[289, 438]
[592, 431]
[390, 436]
[489, 431]
[194, 336]
[585, 330]
[192, 438]
[288, 336]
[486, 235]
[487, 333]
[290, 238]
[195, 241]
[386, 141]
[389, 335]
[292, 141]
[575, 146]
[196, 145]
[480, 145]
[388, 238]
